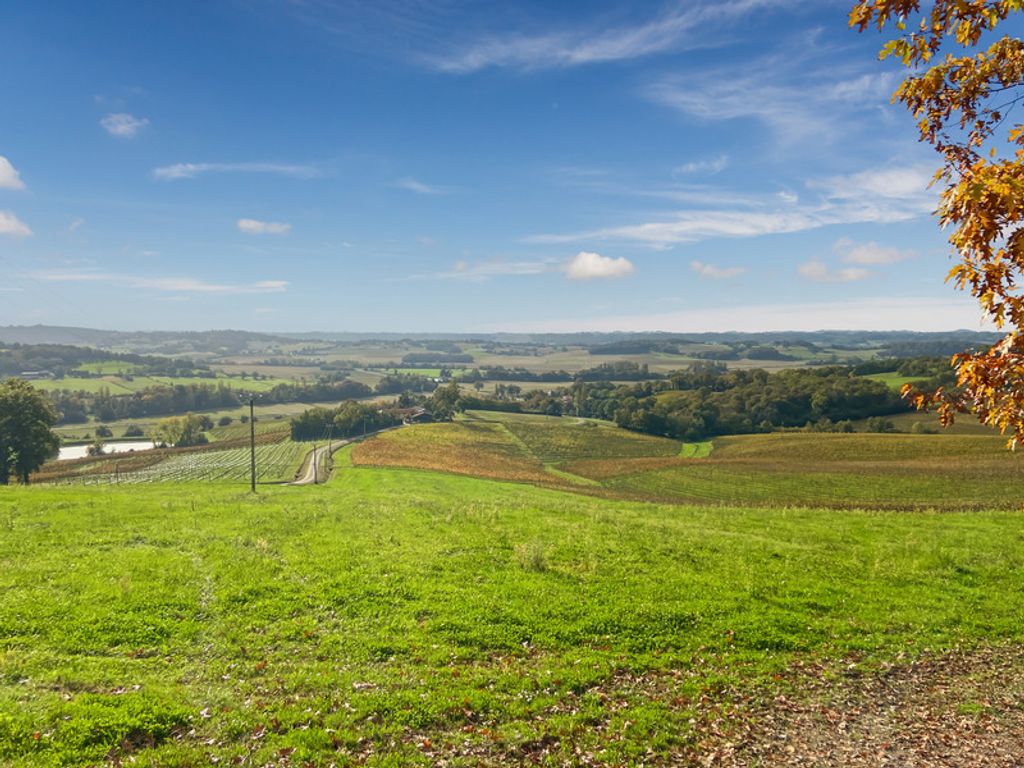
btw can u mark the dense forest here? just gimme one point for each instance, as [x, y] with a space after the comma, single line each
[707, 399]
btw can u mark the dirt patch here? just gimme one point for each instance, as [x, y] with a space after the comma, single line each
[958, 710]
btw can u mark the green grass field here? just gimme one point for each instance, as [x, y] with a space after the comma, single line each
[397, 617]
[119, 385]
[892, 379]
[626, 600]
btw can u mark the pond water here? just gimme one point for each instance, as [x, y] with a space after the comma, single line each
[81, 451]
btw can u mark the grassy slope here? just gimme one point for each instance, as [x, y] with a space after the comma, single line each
[397, 617]
[837, 470]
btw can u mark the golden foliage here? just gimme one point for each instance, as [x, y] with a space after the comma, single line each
[963, 84]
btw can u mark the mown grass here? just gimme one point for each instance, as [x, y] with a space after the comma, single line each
[402, 617]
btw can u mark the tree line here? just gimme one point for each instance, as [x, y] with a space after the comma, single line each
[163, 400]
[347, 420]
[706, 400]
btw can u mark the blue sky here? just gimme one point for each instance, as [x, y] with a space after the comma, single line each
[437, 165]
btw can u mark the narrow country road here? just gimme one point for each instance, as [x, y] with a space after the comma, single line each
[316, 464]
[316, 471]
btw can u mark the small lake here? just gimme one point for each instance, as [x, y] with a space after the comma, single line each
[81, 451]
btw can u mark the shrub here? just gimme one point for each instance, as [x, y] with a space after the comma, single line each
[532, 557]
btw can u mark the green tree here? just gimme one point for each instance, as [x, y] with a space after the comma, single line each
[181, 431]
[445, 401]
[26, 440]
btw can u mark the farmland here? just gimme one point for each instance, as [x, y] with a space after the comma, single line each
[225, 460]
[862, 470]
[128, 384]
[275, 462]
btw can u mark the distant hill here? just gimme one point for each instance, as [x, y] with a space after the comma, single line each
[228, 342]
[148, 342]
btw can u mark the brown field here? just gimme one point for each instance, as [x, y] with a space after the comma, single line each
[870, 471]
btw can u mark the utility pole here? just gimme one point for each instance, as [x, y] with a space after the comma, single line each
[252, 444]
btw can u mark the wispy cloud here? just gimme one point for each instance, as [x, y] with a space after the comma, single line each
[870, 254]
[76, 224]
[891, 182]
[715, 273]
[168, 284]
[123, 125]
[882, 195]
[12, 225]
[483, 271]
[798, 98]
[819, 272]
[414, 185]
[192, 170]
[593, 266]
[9, 176]
[256, 227]
[677, 29]
[706, 167]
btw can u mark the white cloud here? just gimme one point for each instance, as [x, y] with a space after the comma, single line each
[169, 284]
[715, 273]
[480, 272]
[593, 266]
[255, 227]
[870, 253]
[819, 272]
[789, 197]
[414, 185]
[680, 28]
[123, 125]
[907, 185]
[864, 197]
[9, 176]
[76, 224]
[800, 99]
[12, 225]
[873, 314]
[707, 167]
[192, 170]
[691, 226]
